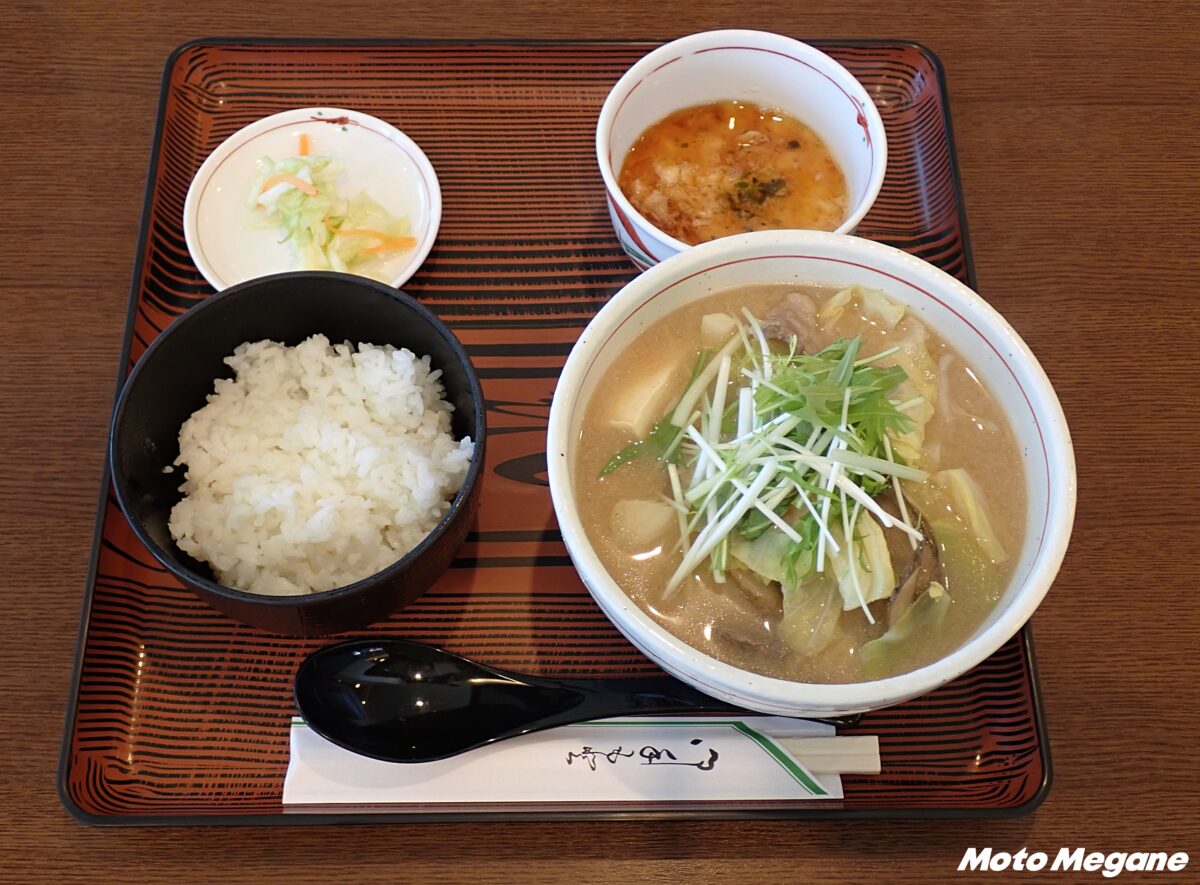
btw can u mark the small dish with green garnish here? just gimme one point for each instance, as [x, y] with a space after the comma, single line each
[313, 189]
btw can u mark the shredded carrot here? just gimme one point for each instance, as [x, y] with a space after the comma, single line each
[289, 179]
[304, 144]
[387, 241]
[396, 243]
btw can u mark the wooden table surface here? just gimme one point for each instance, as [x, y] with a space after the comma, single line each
[1076, 132]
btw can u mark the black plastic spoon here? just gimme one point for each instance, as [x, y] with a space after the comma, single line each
[403, 701]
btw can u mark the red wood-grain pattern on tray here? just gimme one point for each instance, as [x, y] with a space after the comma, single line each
[183, 713]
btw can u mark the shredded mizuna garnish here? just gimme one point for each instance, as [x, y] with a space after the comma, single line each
[799, 444]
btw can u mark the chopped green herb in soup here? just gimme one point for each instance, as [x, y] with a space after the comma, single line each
[805, 483]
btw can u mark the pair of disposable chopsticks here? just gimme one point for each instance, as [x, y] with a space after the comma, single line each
[841, 754]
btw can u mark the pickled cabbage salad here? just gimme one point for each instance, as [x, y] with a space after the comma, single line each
[327, 231]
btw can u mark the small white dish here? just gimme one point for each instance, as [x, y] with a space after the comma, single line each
[754, 66]
[230, 242]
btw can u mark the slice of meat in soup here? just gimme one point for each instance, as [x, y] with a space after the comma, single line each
[924, 567]
[916, 567]
[746, 615]
[794, 316]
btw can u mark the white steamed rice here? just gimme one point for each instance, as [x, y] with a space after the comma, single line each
[316, 466]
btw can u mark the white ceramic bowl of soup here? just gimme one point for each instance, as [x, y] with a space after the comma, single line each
[996, 354]
[756, 67]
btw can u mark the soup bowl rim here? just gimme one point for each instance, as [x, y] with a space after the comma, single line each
[743, 687]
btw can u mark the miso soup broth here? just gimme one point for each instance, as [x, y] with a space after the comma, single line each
[926, 564]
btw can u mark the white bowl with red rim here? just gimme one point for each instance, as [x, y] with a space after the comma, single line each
[230, 242]
[995, 352]
[757, 67]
